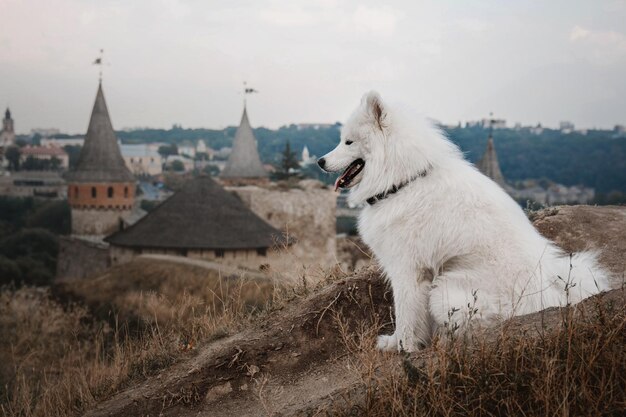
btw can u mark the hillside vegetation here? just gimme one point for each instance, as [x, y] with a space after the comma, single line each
[596, 160]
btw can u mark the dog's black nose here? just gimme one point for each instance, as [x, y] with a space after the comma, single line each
[321, 162]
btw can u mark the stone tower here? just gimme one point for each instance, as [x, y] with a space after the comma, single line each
[101, 190]
[244, 164]
[489, 165]
[7, 135]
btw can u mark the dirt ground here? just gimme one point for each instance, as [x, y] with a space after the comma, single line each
[297, 361]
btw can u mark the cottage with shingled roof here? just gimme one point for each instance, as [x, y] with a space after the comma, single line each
[244, 165]
[203, 221]
[101, 189]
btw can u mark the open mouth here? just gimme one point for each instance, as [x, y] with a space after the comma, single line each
[345, 179]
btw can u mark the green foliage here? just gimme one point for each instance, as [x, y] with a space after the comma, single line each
[177, 166]
[54, 216]
[148, 205]
[73, 152]
[596, 160]
[34, 252]
[288, 162]
[36, 164]
[13, 213]
[212, 170]
[12, 154]
[9, 271]
[167, 150]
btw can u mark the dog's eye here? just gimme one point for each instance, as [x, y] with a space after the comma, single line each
[349, 142]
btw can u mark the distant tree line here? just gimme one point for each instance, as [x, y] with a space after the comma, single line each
[595, 160]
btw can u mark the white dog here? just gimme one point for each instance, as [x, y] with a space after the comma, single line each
[452, 243]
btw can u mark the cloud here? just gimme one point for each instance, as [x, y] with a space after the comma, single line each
[602, 47]
[375, 20]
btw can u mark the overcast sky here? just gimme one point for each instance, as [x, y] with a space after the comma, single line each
[184, 61]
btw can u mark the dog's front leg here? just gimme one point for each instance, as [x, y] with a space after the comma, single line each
[413, 321]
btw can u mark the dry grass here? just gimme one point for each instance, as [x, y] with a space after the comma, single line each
[62, 352]
[576, 368]
[59, 359]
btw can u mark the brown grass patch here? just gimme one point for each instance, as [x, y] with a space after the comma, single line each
[60, 357]
[574, 366]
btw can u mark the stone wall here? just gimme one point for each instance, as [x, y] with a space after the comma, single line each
[247, 259]
[79, 258]
[97, 222]
[306, 212]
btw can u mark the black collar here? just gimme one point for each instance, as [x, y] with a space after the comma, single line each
[381, 196]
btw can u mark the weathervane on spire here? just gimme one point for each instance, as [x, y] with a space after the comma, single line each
[247, 90]
[100, 62]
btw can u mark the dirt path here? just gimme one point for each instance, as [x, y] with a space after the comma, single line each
[216, 266]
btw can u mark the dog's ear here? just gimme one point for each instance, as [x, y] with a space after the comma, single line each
[375, 108]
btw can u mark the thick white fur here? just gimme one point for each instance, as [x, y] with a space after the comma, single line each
[452, 238]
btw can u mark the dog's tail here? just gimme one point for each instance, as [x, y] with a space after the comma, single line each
[579, 275]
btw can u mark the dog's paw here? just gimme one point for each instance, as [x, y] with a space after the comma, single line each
[388, 343]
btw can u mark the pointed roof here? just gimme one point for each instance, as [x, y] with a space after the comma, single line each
[202, 215]
[7, 113]
[489, 165]
[244, 160]
[100, 158]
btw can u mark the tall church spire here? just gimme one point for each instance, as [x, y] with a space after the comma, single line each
[489, 164]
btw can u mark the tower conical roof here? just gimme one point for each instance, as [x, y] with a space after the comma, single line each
[100, 158]
[244, 160]
[202, 215]
[489, 165]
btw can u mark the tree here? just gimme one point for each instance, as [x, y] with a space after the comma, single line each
[73, 151]
[12, 154]
[212, 170]
[288, 162]
[167, 150]
[178, 166]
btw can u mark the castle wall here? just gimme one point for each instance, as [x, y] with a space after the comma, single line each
[79, 259]
[97, 221]
[306, 213]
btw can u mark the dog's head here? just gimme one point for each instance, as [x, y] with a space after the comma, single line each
[364, 128]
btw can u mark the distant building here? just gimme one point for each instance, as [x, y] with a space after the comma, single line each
[201, 147]
[45, 132]
[566, 127]
[223, 153]
[619, 131]
[244, 164]
[203, 221]
[7, 134]
[307, 159]
[188, 164]
[314, 126]
[48, 153]
[141, 160]
[187, 149]
[101, 189]
[537, 130]
[44, 184]
[489, 164]
[60, 143]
